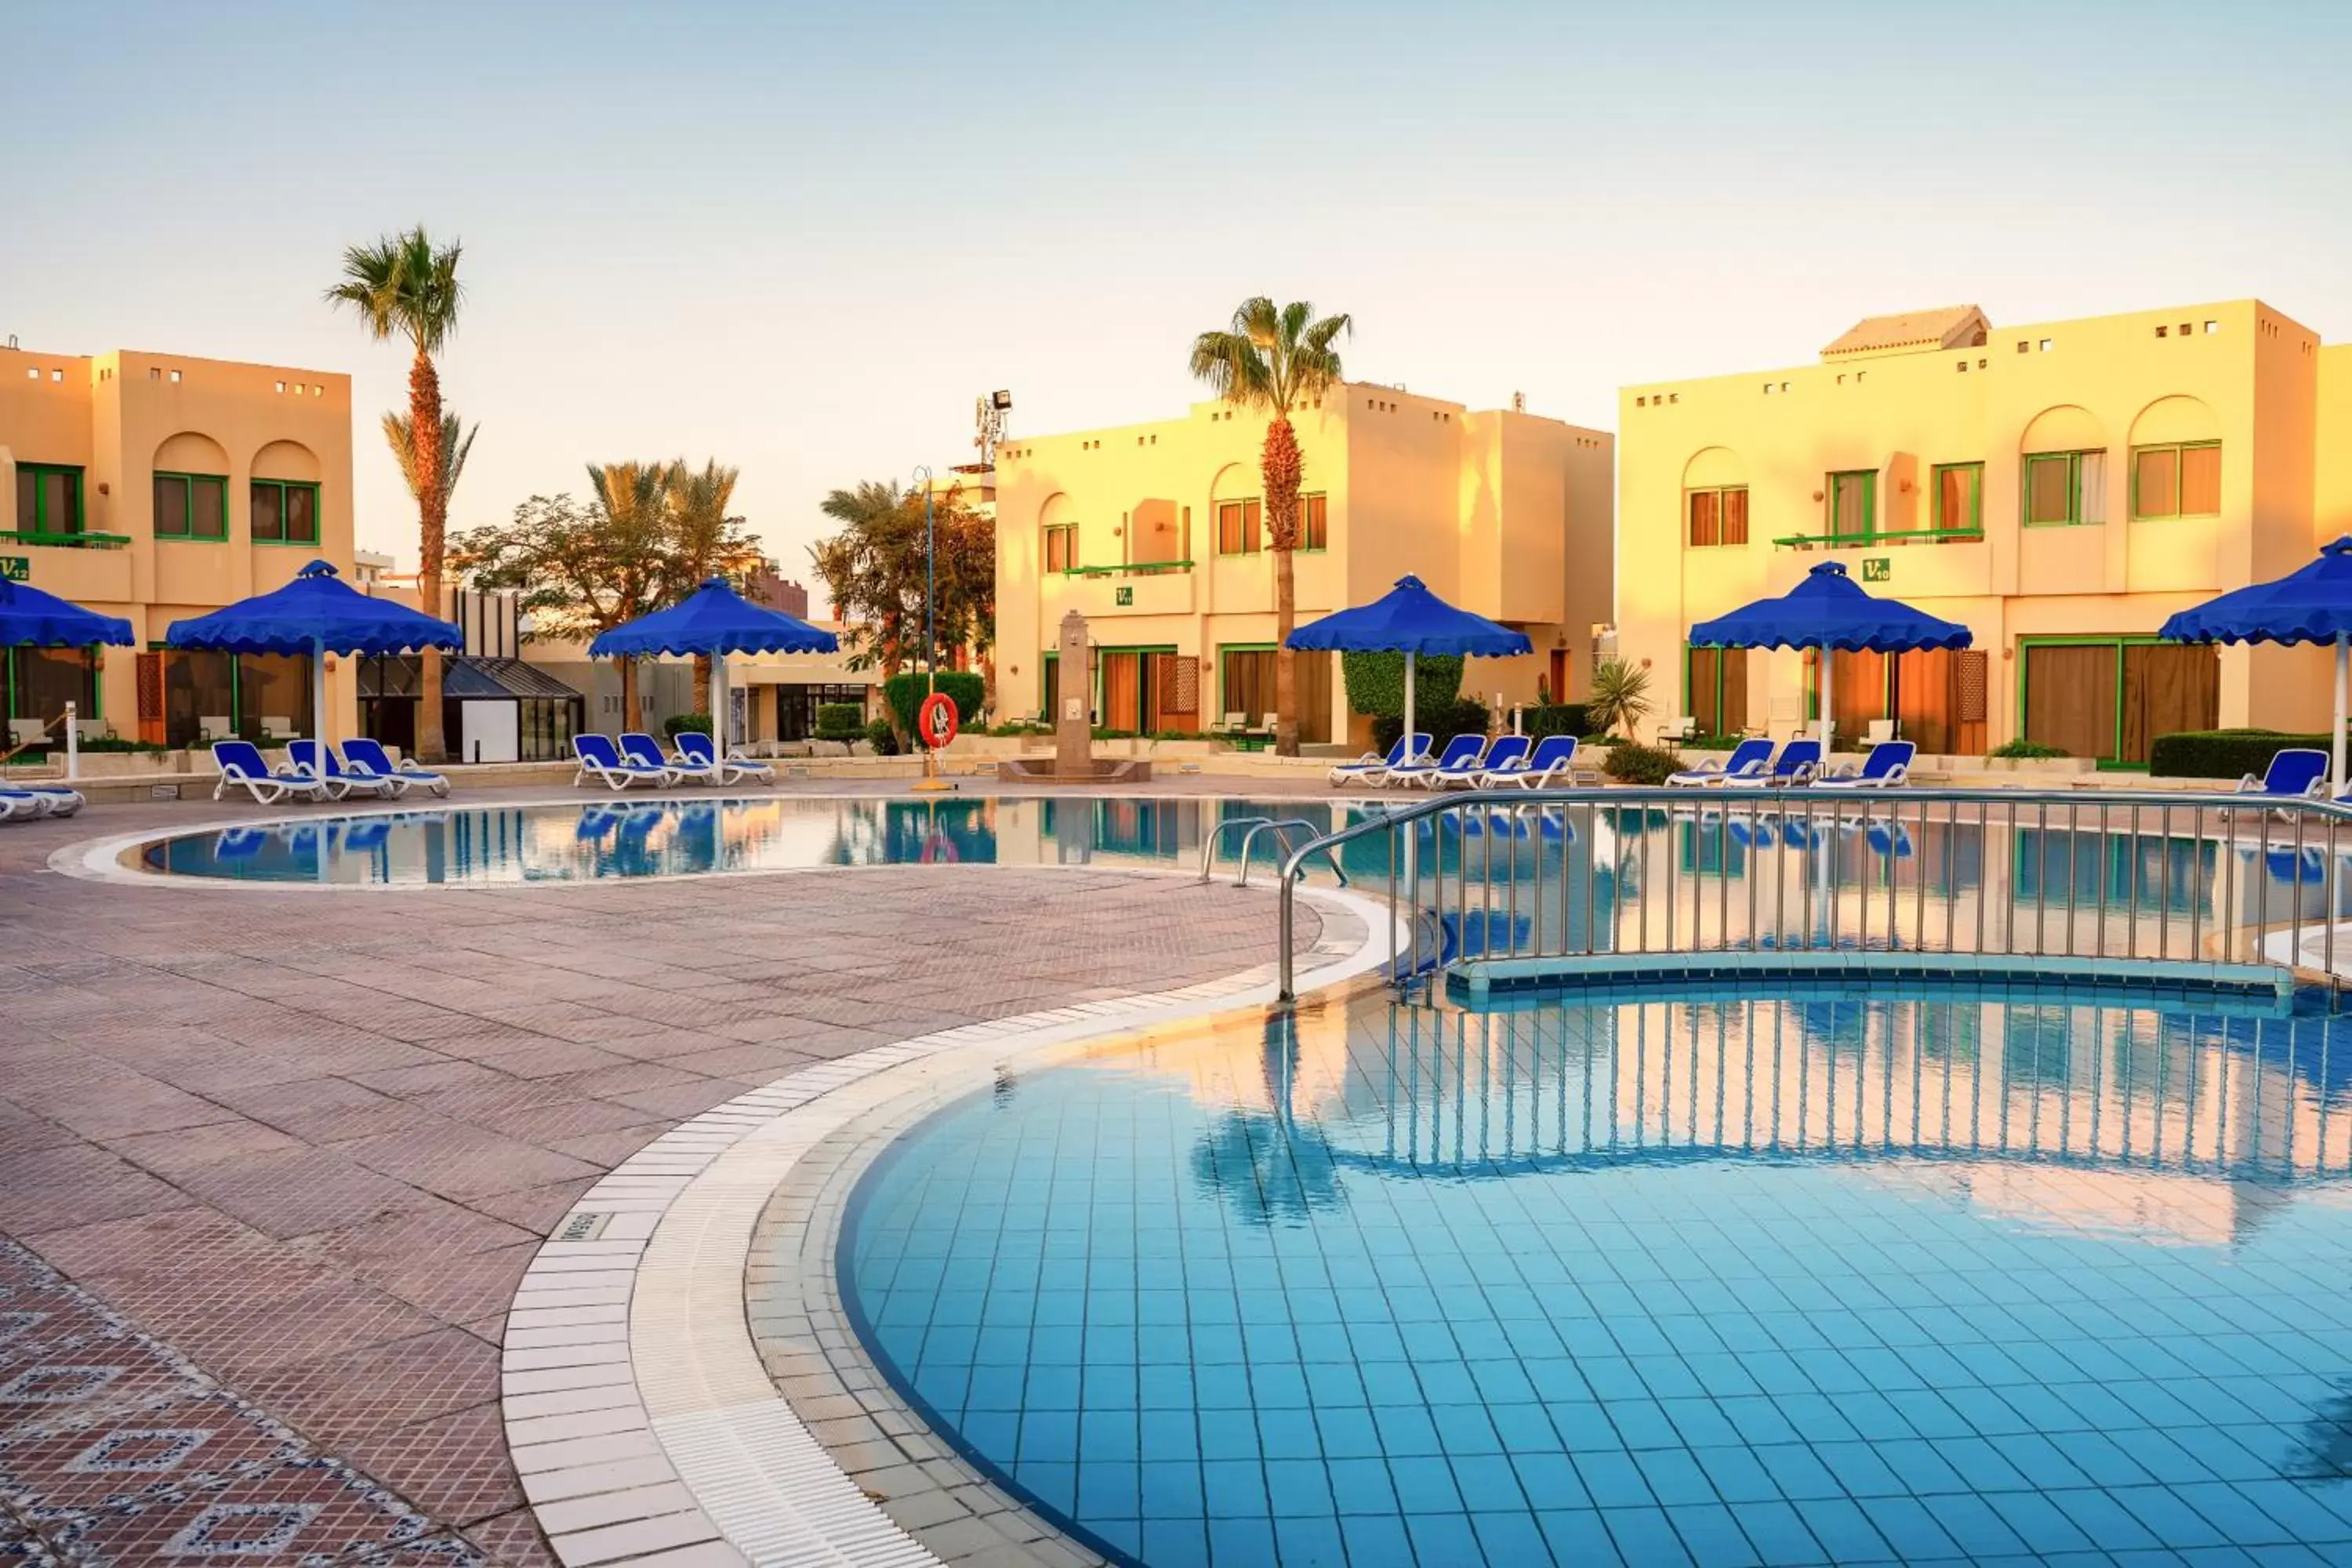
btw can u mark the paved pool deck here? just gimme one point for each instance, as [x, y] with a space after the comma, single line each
[272, 1168]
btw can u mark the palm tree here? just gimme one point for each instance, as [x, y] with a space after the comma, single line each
[399, 434]
[1621, 695]
[1273, 360]
[697, 514]
[633, 497]
[403, 287]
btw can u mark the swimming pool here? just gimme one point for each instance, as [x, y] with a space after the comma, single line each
[1804, 1277]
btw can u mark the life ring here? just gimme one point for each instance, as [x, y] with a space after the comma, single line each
[935, 720]
[938, 849]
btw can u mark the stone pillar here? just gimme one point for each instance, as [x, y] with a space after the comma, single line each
[1073, 735]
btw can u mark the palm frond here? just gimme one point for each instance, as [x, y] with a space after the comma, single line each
[1232, 366]
[402, 286]
[399, 434]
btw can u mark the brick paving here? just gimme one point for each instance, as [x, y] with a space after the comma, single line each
[277, 1161]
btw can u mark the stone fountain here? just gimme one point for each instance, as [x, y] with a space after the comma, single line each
[1074, 759]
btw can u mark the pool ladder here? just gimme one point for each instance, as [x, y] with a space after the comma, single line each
[1279, 827]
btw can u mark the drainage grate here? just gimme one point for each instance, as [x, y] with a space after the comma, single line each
[583, 1227]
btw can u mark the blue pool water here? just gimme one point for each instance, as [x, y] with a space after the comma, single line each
[1805, 1279]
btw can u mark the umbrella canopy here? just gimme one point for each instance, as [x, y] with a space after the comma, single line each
[713, 620]
[1410, 619]
[31, 618]
[2310, 604]
[317, 613]
[1828, 610]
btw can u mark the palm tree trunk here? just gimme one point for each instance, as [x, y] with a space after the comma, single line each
[433, 527]
[628, 693]
[1280, 465]
[702, 683]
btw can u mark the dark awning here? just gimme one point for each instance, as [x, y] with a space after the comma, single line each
[482, 679]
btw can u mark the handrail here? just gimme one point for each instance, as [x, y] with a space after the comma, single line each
[1128, 569]
[1863, 541]
[37, 540]
[2298, 838]
[1256, 825]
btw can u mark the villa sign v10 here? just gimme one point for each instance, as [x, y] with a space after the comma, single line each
[1877, 569]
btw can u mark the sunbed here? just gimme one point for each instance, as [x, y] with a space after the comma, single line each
[1889, 766]
[698, 750]
[363, 757]
[2294, 773]
[601, 761]
[1749, 759]
[1372, 768]
[242, 764]
[320, 760]
[645, 752]
[1540, 769]
[1506, 755]
[1463, 757]
[1798, 761]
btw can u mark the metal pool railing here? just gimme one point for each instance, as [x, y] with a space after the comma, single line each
[1525, 887]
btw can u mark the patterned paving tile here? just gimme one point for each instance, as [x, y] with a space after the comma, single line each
[453, 1466]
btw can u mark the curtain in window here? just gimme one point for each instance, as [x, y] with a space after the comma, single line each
[1735, 517]
[269, 521]
[171, 507]
[1850, 502]
[1706, 518]
[206, 500]
[1955, 498]
[2200, 481]
[2156, 482]
[274, 689]
[2049, 493]
[302, 514]
[2070, 698]
[2093, 487]
[47, 678]
[2168, 688]
[61, 515]
[196, 687]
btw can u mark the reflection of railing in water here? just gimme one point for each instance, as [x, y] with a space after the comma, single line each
[1518, 885]
[2101, 1083]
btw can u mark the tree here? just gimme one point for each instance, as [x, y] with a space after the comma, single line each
[633, 501]
[403, 287]
[1271, 360]
[579, 570]
[450, 452]
[1621, 695]
[705, 542]
[872, 571]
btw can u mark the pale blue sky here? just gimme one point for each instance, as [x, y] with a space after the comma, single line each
[802, 238]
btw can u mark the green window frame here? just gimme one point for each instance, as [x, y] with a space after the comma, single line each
[2085, 480]
[278, 497]
[1063, 537]
[187, 488]
[1973, 520]
[33, 494]
[1314, 522]
[1834, 490]
[2171, 459]
[1243, 535]
[1725, 512]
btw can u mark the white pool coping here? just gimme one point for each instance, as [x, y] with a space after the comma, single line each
[643, 1422]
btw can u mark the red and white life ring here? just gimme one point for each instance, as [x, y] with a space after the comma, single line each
[935, 720]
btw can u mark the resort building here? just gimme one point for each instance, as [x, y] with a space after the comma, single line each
[2060, 488]
[158, 486]
[1156, 533]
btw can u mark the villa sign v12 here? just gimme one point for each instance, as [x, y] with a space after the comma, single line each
[16, 568]
[1877, 569]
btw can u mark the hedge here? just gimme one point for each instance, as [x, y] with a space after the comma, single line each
[1462, 716]
[1376, 683]
[840, 720]
[906, 690]
[885, 739]
[677, 723]
[1556, 719]
[1633, 764]
[2223, 754]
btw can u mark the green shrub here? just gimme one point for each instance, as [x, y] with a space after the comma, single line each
[677, 723]
[1709, 742]
[1442, 721]
[2223, 754]
[1556, 719]
[1375, 683]
[2025, 748]
[883, 738]
[110, 745]
[904, 692]
[840, 720]
[1633, 764]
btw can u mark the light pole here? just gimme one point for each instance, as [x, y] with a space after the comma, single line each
[931, 583]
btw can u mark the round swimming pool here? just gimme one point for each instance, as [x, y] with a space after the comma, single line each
[565, 842]
[1804, 1277]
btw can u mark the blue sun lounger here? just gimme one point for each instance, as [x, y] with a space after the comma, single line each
[1889, 766]
[701, 753]
[1373, 769]
[1465, 755]
[1751, 759]
[242, 764]
[366, 759]
[601, 761]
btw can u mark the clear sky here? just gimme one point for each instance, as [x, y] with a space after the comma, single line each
[802, 238]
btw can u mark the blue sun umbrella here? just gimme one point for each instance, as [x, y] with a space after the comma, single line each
[32, 619]
[715, 620]
[1411, 620]
[316, 614]
[2310, 604]
[1828, 610]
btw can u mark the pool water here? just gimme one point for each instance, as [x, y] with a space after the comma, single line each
[1811, 1277]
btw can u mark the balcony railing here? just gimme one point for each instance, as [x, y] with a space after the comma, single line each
[65, 541]
[1875, 540]
[1131, 569]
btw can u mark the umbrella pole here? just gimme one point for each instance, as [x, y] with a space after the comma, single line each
[2343, 694]
[1408, 708]
[718, 711]
[319, 699]
[1822, 719]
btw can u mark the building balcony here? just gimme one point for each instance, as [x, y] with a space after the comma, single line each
[1879, 541]
[1142, 588]
[74, 566]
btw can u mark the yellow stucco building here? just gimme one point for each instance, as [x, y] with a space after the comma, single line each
[1156, 533]
[2060, 488]
[158, 487]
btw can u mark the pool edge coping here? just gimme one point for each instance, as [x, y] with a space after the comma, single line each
[635, 1404]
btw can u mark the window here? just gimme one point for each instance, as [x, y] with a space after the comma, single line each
[1716, 515]
[1062, 547]
[48, 498]
[1853, 504]
[1314, 523]
[1715, 694]
[191, 505]
[1960, 498]
[2063, 488]
[285, 511]
[2183, 480]
[1237, 527]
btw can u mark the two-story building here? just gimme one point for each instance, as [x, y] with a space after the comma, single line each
[2059, 487]
[1157, 535]
[158, 487]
